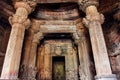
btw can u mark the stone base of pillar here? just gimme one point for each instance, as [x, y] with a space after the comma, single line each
[109, 77]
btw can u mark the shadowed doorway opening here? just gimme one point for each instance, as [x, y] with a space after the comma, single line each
[58, 68]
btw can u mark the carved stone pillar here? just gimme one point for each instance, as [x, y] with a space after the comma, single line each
[70, 74]
[27, 49]
[47, 63]
[83, 52]
[40, 62]
[93, 22]
[26, 53]
[19, 22]
[75, 63]
[32, 59]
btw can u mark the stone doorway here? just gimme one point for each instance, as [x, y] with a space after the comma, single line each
[57, 60]
[58, 68]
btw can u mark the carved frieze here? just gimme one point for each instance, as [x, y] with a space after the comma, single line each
[58, 49]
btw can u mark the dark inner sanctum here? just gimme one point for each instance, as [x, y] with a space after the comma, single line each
[58, 68]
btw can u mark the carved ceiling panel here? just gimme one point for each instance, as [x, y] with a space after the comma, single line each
[58, 11]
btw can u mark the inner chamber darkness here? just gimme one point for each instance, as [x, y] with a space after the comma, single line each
[58, 68]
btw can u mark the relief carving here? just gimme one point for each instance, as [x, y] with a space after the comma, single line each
[58, 49]
[92, 18]
[28, 73]
[29, 5]
[71, 75]
[37, 37]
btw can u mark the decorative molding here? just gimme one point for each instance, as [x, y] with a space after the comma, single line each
[27, 4]
[93, 18]
[15, 19]
[38, 36]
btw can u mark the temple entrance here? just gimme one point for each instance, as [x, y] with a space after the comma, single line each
[57, 60]
[58, 68]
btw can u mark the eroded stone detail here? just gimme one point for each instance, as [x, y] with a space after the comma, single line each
[94, 17]
[83, 4]
[27, 4]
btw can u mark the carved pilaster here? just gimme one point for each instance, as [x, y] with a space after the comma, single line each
[83, 53]
[31, 42]
[32, 59]
[47, 73]
[37, 37]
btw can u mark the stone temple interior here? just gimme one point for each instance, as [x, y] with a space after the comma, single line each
[60, 39]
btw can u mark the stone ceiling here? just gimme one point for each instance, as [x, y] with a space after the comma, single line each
[7, 9]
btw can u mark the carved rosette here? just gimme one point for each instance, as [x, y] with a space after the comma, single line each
[83, 4]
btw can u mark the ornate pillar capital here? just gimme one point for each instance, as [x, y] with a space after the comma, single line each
[83, 4]
[28, 5]
[80, 34]
[20, 18]
[35, 26]
[18, 21]
[92, 15]
[37, 37]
